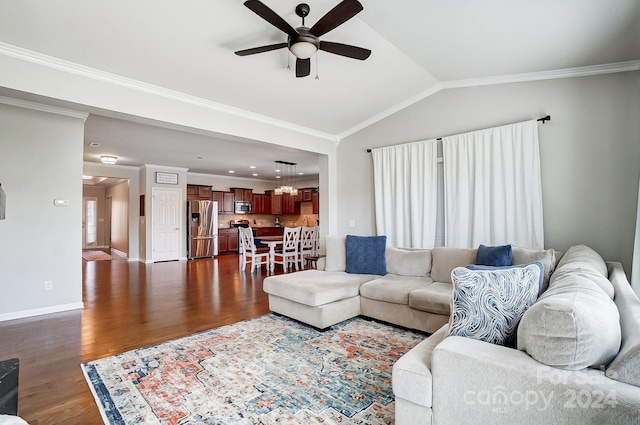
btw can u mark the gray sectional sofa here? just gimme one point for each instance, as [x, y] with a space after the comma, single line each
[577, 358]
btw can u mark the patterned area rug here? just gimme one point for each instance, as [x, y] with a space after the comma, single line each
[266, 370]
[95, 256]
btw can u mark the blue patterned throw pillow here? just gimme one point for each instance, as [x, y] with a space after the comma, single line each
[366, 254]
[488, 304]
[494, 255]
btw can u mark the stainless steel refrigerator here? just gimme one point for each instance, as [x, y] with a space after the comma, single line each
[202, 237]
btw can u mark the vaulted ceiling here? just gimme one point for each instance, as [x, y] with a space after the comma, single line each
[419, 47]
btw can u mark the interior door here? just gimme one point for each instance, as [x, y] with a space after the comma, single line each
[166, 224]
[89, 222]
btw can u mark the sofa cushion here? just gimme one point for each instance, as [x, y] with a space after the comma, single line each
[444, 260]
[315, 287]
[494, 255]
[545, 256]
[625, 367]
[392, 288]
[336, 259]
[411, 376]
[582, 257]
[366, 254]
[573, 325]
[487, 304]
[434, 298]
[408, 262]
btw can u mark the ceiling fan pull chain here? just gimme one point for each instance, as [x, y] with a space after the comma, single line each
[288, 60]
[317, 54]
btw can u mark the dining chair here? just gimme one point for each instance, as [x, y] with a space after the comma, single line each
[307, 244]
[258, 256]
[289, 252]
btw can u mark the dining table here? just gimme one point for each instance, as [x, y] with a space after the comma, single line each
[271, 242]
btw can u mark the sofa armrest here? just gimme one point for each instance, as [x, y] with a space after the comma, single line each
[477, 382]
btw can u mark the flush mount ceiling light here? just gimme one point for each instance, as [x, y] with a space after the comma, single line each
[87, 177]
[107, 159]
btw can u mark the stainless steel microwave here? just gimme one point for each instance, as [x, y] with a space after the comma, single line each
[242, 207]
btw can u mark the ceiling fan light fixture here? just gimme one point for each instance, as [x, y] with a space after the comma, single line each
[303, 49]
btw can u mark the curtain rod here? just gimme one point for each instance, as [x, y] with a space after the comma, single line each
[543, 120]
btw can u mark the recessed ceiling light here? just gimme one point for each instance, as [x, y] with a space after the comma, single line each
[255, 174]
[87, 177]
[252, 167]
[94, 144]
[301, 174]
[277, 171]
[277, 177]
[231, 171]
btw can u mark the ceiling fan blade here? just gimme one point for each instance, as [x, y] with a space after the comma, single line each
[303, 67]
[345, 50]
[337, 16]
[270, 16]
[261, 49]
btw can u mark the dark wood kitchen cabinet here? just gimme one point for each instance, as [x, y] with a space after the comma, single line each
[241, 194]
[198, 192]
[275, 201]
[218, 197]
[228, 241]
[227, 203]
[261, 204]
[289, 204]
[315, 202]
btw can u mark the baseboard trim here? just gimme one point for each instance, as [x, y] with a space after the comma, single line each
[119, 253]
[40, 311]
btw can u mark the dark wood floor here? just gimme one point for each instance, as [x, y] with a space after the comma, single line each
[127, 306]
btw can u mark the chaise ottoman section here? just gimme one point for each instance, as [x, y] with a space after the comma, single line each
[315, 297]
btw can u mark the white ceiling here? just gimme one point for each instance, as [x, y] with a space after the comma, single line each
[419, 46]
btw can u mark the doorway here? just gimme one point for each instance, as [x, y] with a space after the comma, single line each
[105, 224]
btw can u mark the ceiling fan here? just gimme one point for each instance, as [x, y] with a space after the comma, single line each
[304, 42]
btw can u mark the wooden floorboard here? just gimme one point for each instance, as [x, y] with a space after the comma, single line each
[126, 306]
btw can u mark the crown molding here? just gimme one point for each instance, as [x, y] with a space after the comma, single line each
[392, 110]
[582, 71]
[43, 108]
[96, 74]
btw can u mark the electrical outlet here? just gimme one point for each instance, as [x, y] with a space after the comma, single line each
[48, 285]
[352, 223]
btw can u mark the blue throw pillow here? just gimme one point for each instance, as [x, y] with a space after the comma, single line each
[494, 255]
[366, 254]
[488, 304]
[537, 263]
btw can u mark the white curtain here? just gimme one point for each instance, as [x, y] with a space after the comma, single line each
[493, 194]
[405, 190]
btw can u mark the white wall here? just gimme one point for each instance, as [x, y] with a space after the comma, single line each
[40, 160]
[590, 153]
[119, 194]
